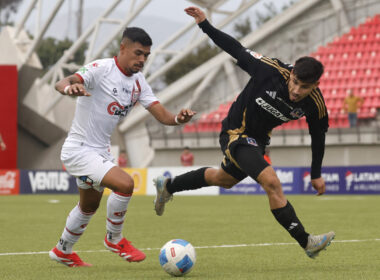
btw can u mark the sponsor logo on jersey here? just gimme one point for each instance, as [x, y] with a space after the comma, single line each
[255, 54]
[271, 93]
[115, 109]
[297, 113]
[269, 108]
[251, 141]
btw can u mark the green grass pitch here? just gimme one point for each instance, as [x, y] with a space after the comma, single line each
[30, 225]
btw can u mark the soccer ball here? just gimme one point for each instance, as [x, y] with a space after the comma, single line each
[177, 257]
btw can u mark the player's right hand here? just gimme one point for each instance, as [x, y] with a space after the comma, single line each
[319, 185]
[196, 13]
[77, 90]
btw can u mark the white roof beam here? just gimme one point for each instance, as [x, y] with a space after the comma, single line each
[38, 38]
[191, 47]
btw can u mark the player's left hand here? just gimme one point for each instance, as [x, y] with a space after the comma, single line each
[319, 185]
[196, 13]
[185, 115]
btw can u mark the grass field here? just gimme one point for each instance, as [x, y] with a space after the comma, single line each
[30, 225]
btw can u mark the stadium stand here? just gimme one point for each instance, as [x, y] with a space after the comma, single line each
[351, 61]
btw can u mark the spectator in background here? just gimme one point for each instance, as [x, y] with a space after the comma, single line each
[266, 156]
[2, 144]
[122, 160]
[351, 105]
[187, 157]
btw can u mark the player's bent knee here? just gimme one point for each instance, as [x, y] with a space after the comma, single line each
[126, 187]
[224, 182]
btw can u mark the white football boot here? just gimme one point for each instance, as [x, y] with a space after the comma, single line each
[317, 243]
[162, 194]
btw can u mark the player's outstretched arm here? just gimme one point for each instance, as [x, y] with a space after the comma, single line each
[221, 39]
[71, 85]
[167, 118]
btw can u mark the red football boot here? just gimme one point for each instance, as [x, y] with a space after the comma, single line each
[71, 260]
[125, 250]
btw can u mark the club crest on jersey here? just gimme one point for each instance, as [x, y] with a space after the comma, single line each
[297, 113]
[251, 141]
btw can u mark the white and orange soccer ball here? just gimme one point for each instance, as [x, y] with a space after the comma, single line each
[177, 257]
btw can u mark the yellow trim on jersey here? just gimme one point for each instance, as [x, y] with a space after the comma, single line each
[228, 153]
[234, 135]
[238, 130]
[284, 72]
[316, 96]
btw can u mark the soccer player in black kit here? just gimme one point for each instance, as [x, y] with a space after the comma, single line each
[275, 94]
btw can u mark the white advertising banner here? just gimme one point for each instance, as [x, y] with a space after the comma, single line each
[154, 172]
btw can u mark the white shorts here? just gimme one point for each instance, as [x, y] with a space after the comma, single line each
[88, 164]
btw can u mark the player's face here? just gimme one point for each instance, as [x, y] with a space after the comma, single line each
[298, 90]
[133, 56]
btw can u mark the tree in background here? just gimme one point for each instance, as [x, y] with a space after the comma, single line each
[190, 62]
[113, 48]
[51, 50]
[242, 28]
[7, 7]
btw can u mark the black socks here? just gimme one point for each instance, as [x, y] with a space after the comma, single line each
[189, 181]
[287, 217]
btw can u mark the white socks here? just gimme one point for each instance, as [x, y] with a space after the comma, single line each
[76, 223]
[117, 205]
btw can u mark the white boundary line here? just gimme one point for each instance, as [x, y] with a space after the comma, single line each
[199, 247]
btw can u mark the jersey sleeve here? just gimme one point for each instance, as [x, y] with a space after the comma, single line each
[248, 60]
[91, 73]
[318, 126]
[147, 97]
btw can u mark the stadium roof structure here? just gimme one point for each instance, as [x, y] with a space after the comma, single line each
[44, 113]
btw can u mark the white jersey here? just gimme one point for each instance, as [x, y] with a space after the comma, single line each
[113, 94]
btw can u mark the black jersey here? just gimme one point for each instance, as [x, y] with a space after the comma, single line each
[264, 103]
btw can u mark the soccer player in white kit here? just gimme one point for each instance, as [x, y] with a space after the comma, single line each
[107, 89]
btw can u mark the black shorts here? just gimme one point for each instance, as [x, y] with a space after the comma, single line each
[242, 164]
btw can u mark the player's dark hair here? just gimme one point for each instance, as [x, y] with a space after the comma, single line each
[136, 34]
[307, 69]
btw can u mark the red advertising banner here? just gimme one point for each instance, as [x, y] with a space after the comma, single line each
[8, 116]
[9, 181]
